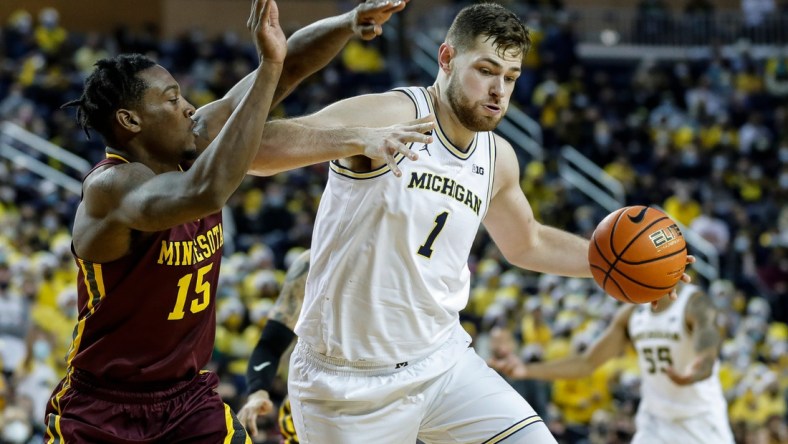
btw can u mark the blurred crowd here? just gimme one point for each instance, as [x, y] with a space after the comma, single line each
[706, 139]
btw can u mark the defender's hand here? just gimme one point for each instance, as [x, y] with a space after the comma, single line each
[369, 17]
[385, 143]
[510, 366]
[268, 35]
[686, 377]
[258, 404]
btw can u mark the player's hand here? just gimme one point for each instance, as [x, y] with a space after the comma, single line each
[510, 366]
[369, 17]
[268, 35]
[684, 278]
[258, 404]
[686, 377]
[385, 143]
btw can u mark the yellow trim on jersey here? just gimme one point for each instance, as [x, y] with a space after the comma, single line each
[116, 156]
[54, 425]
[286, 426]
[76, 341]
[94, 282]
[236, 433]
[464, 155]
[228, 421]
[513, 429]
[339, 169]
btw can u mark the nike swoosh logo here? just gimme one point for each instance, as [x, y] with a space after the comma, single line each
[257, 368]
[639, 218]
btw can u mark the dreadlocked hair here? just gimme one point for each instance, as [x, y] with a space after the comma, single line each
[112, 85]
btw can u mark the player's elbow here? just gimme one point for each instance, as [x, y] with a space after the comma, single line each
[263, 169]
[209, 199]
[589, 362]
[524, 252]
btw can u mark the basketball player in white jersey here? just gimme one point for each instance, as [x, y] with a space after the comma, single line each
[677, 343]
[381, 356]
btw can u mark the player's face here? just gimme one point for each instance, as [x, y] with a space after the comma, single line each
[166, 116]
[481, 84]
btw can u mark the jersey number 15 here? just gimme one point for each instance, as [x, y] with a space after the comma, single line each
[200, 286]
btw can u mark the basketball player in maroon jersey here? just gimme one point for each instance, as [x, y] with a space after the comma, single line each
[148, 239]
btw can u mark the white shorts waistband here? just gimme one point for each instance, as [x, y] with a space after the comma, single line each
[340, 365]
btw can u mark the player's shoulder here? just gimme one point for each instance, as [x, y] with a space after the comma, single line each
[504, 150]
[112, 181]
[401, 99]
[378, 109]
[506, 164]
[698, 300]
[624, 313]
[502, 143]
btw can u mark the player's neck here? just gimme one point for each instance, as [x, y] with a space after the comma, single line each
[458, 135]
[133, 152]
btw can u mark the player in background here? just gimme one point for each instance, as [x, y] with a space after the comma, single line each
[276, 337]
[677, 344]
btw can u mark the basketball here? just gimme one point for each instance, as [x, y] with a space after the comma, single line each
[637, 254]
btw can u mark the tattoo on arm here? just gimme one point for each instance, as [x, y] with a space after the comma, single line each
[288, 305]
[705, 336]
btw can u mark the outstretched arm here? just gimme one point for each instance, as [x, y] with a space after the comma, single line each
[276, 337]
[368, 125]
[313, 47]
[609, 345]
[308, 50]
[132, 196]
[524, 241]
[701, 318]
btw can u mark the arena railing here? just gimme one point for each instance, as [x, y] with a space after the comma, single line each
[675, 28]
[25, 149]
[593, 181]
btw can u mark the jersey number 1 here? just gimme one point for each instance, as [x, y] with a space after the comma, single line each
[426, 249]
[183, 290]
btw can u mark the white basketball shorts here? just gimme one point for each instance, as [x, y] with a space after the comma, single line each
[450, 396]
[708, 428]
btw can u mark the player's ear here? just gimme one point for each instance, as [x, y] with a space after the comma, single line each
[445, 55]
[128, 120]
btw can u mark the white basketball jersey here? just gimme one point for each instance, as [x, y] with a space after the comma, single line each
[662, 340]
[389, 269]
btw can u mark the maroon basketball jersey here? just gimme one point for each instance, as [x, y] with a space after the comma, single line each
[150, 317]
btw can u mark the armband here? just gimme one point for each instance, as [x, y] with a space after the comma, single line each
[263, 363]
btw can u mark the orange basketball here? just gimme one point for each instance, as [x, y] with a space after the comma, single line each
[637, 254]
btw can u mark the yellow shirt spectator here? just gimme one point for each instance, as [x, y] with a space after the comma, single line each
[682, 210]
[578, 399]
[361, 58]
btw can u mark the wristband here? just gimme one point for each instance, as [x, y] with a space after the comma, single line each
[263, 363]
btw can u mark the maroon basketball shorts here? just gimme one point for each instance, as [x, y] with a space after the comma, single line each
[190, 411]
